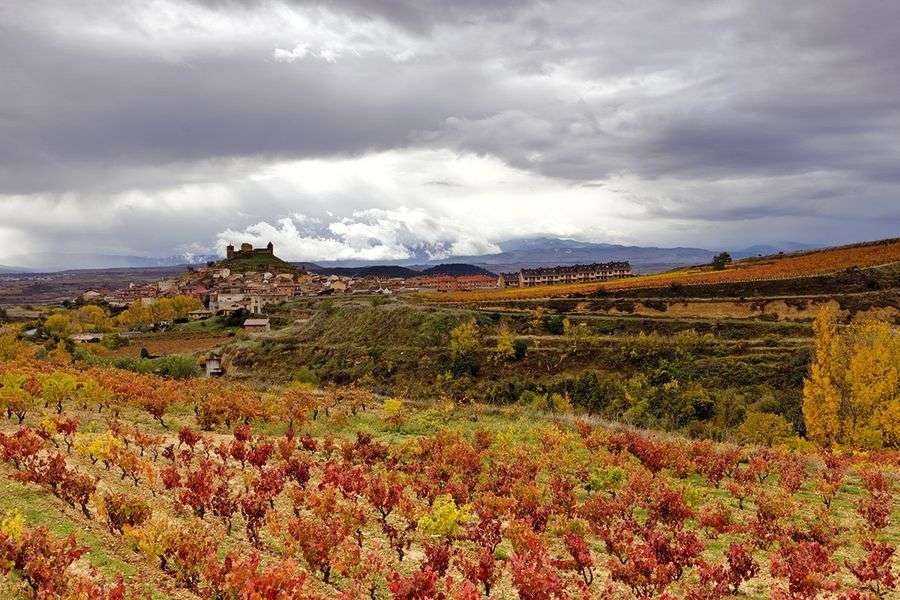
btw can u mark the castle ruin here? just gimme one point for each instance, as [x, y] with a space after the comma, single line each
[248, 250]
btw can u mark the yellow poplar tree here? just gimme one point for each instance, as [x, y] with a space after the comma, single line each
[464, 338]
[852, 394]
[183, 304]
[505, 348]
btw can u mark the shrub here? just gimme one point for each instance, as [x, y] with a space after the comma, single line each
[764, 429]
[520, 349]
[122, 510]
[306, 376]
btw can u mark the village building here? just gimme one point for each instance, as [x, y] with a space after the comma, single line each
[257, 325]
[213, 366]
[338, 286]
[86, 338]
[199, 314]
[446, 283]
[565, 274]
[508, 280]
[167, 285]
[91, 295]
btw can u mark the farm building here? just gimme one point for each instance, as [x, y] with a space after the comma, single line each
[255, 325]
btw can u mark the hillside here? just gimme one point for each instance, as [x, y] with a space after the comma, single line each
[769, 268]
[456, 270]
[545, 251]
[258, 263]
[59, 261]
[453, 269]
[613, 420]
[370, 271]
[370, 495]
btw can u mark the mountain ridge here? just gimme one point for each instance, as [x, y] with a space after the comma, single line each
[514, 254]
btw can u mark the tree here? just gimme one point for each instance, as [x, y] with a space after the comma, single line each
[10, 346]
[162, 310]
[59, 325]
[575, 334]
[14, 395]
[182, 305]
[136, 314]
[721, 260]
[464, 339]
[93, 318]
[852, 394]
[58, 388]
[506, 344]
[464, 343]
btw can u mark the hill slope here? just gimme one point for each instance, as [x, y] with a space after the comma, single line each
[257, 262]
[768, 268]
[456, 270]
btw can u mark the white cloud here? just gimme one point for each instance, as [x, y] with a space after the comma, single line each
[374, 234]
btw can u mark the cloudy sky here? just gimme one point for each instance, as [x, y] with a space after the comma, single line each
[378, 128]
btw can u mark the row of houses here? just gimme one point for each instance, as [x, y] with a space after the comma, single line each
[567, 274]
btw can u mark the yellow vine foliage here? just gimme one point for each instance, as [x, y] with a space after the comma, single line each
[852, 395]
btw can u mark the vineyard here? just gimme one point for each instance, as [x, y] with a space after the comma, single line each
[208, 489]
[789, 266]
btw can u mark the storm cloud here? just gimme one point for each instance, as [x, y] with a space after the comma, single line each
[445, 126]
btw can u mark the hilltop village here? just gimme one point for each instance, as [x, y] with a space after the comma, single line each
[251, 278]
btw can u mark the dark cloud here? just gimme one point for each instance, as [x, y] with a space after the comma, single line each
[418, 16]
[709, 111]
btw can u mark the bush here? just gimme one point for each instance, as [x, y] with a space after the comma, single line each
[764, 429]
[122, 510]
[554, 325]
[465, 364]
[306, 376]
[114, 341]
[520, 349]
[177, 367]
[237, 318]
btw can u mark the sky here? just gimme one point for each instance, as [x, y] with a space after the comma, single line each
[383, 129]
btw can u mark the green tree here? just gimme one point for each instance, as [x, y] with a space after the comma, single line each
[721, 260]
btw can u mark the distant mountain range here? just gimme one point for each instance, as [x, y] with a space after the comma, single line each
[767, 249]
[547, 251]
[513, 255]
[40, 262]
[454, 269]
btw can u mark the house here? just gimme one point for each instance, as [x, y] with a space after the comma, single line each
[338, 286]
[200, 313]
[508, 280]
[567, 274]
[86, 338]
[257, 325]
[91, 295]
[166, 285]
[213, 366]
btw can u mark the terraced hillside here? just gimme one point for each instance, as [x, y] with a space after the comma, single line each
[762, 269]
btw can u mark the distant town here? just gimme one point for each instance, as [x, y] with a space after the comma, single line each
[251, 278]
